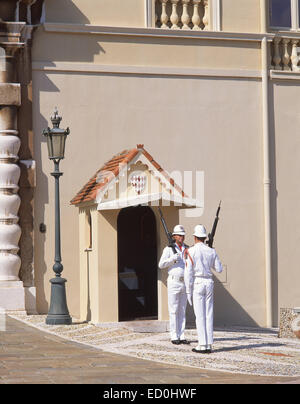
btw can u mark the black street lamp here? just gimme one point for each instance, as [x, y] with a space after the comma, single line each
[56, 139]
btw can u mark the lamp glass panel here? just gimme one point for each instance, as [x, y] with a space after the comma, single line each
[62, 145]
[50, 147]
[56, 146]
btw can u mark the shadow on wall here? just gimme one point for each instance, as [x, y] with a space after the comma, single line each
[226, 307]
[43, 180]
[27, 178]
[64, 11]
[227, 311]
[61, 11]
[273, 208]
[70, 50]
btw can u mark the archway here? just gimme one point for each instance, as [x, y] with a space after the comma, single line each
[137, 263]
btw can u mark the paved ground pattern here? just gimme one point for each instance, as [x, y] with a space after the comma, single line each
[116, 355]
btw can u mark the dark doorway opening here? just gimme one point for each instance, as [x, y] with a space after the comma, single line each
[137, 263]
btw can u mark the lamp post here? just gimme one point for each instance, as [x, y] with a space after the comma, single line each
[56, 139]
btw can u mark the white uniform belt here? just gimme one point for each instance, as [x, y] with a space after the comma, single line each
[202, 277]
[176, 278]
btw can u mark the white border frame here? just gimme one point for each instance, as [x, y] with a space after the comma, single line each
[216, 15]
[295, 14]
[149, 13]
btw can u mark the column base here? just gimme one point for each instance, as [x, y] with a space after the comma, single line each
[56, 319]
[12, 296]
[58, 311]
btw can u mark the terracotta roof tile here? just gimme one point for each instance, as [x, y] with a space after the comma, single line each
[89, 191]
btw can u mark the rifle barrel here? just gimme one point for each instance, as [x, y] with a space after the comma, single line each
[168, 234]
[214, 228]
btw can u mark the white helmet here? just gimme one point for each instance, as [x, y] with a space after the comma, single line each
[179, 230]
[200, 231]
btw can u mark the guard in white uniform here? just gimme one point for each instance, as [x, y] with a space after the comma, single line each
[177, 298]
[200, 287]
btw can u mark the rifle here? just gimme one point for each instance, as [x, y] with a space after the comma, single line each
[168, 234]
[211, 235]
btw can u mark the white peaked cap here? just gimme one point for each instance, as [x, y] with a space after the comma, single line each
[200, 231]
[179, 230]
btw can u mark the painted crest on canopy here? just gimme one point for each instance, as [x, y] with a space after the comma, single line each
[138, 181]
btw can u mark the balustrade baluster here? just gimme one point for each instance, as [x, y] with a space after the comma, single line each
[185, 18]
[196, 20]
[164, 19]
[206, 14]
[174, 16]
[277, 57]
[286, 56]
[295, 58]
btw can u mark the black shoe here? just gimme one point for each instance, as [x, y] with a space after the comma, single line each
[184, 341]
[175, 341]
[201, 351]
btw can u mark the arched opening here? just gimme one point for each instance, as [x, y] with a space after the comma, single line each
[137, 263]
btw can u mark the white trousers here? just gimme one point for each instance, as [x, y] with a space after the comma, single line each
[177, 300]
[203, 302]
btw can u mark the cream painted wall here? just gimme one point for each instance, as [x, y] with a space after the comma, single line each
[240, 15]
[187, 122]
[236, 15]
[102, 12]
[175, 52]
[210, 129]
[286, 146]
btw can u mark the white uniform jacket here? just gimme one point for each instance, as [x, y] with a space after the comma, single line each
[200, 260]
[167, 261]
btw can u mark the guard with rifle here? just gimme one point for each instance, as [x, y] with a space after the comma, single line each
[202, 258]
[173, 260]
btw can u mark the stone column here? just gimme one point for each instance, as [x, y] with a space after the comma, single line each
[12, 295]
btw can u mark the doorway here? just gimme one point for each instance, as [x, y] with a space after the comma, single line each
[137, 264]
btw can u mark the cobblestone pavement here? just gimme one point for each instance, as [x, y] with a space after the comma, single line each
[84, 353]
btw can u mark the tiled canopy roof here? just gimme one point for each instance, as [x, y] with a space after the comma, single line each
[89, 191]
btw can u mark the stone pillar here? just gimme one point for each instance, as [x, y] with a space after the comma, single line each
[12, 294]
[18, 18]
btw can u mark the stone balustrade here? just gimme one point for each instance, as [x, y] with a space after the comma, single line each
[182, 14]
[285, 54]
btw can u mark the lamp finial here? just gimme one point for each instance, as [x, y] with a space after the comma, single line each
[56, 119]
